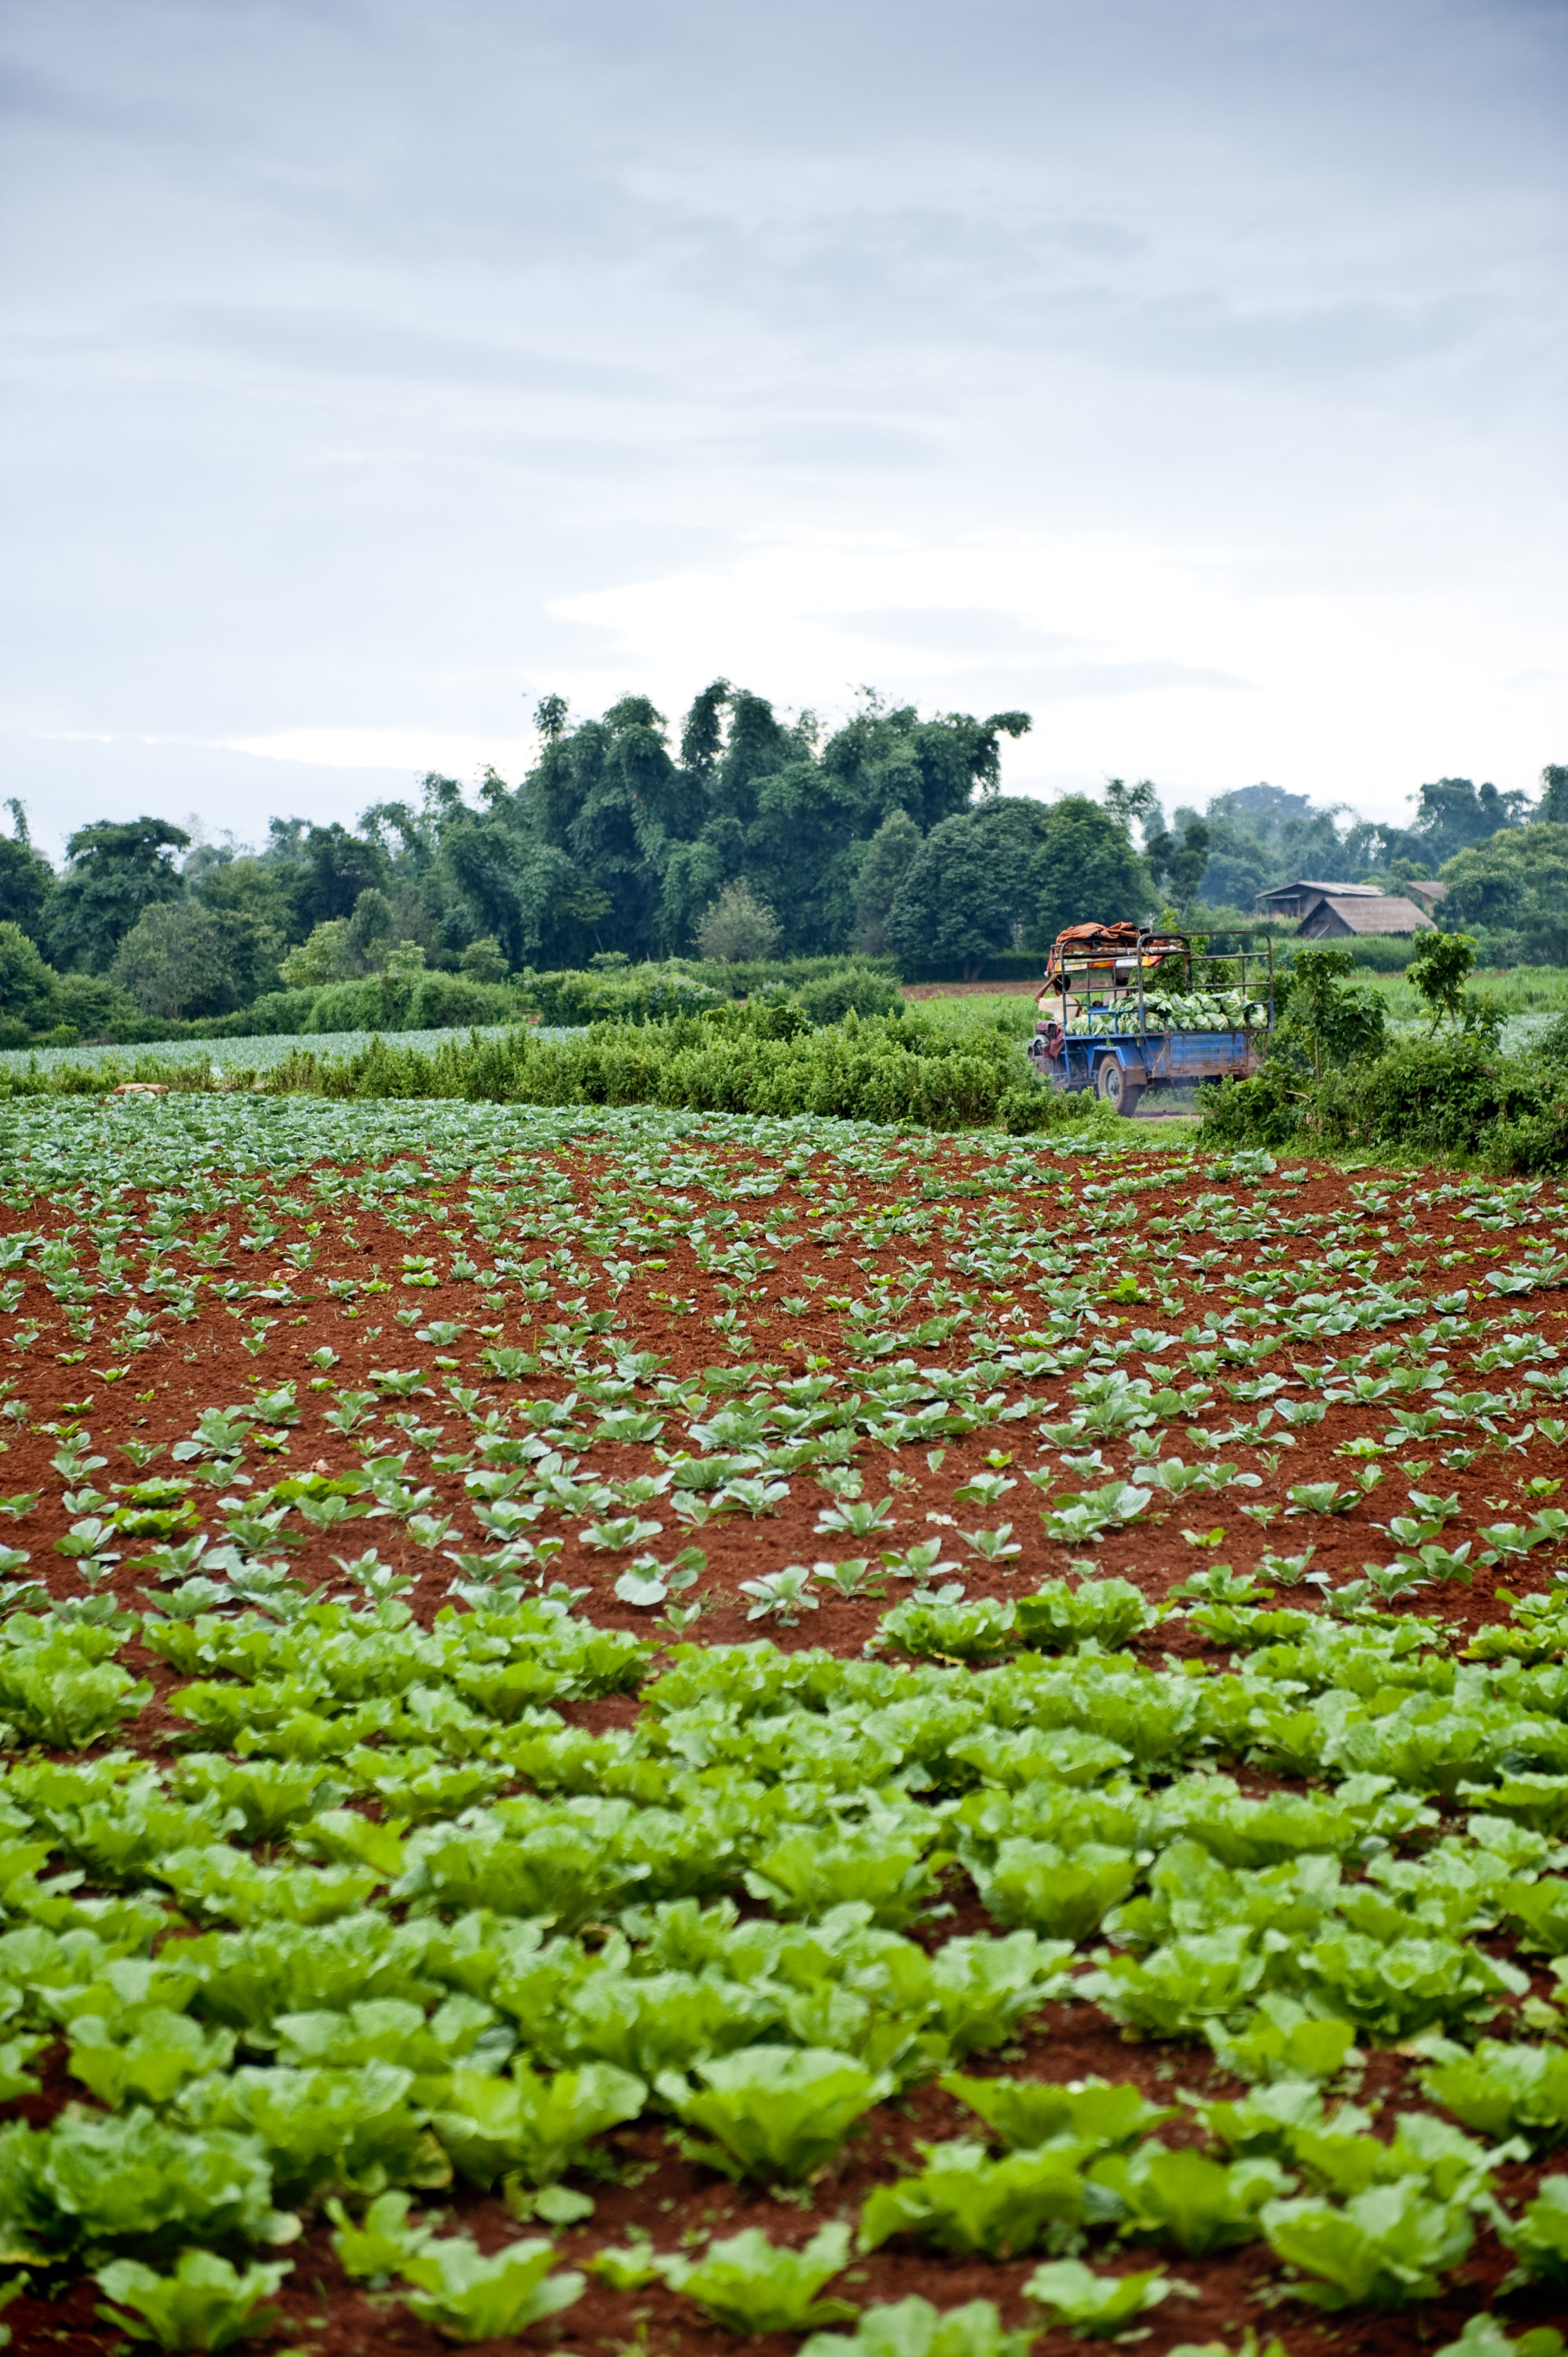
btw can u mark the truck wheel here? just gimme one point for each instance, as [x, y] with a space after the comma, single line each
[1119, 1093]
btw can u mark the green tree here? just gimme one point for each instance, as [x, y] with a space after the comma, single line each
[484, 960]
[973, 887]
[1454, 813]
[1137, 806]
[750, 795]
[29, 988]
[1553, 807]
[1323, 1017]
[883, 867]
[323, 957]
[1179, 863]
[334, 867]
[114, 870]
[181, 960]
[1085, 870]
[1440, 966]
[372, 931]
[738, 926]
[26, 881]
[249, 886]
[1513, 888]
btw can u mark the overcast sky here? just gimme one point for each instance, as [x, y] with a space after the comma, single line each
[1190, 372]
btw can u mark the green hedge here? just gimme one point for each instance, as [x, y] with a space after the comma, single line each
[1455, 1097]
[1377, 952]
[758, 1060]
[826, 987]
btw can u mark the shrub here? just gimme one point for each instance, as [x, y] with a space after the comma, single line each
[830, 999]
[408, 1000]
[90, 1003]
[1451, 1095]
[733, 1059]
[271, 1017]
[1428, 1096]
[642, 994]
[738, 925]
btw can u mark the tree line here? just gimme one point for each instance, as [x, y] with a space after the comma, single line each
[743, 836]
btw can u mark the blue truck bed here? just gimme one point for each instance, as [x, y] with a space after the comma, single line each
[1121, 1064]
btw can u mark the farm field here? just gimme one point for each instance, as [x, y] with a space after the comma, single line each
[258, 1052]
[581, 1685]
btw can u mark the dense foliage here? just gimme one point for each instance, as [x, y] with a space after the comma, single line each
[747, 839]
[1334, 1074]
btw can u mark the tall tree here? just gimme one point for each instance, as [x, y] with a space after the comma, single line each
[1178, 862]
[113, 870]
[335, 868]
[1453, 814]
[751, 797]
[972, 886]
[882, 868]
[1085, 870]
[1553, 807]
[1515, 885]
[181, 959]
[26, 881]
[28, 992]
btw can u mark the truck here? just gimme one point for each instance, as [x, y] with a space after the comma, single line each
[1127, 1008]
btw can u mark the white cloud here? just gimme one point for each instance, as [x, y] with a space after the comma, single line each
[1191, 374]
[417, 750]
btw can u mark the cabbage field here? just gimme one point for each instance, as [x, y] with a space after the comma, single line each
[924, 1745]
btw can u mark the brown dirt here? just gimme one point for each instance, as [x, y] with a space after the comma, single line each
[157, 1395]
[971, 989]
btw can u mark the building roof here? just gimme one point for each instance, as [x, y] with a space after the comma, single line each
[1308, 884]
[1363, 912]
[1426, 891]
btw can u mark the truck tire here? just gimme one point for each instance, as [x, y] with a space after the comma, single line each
[1121, 1093]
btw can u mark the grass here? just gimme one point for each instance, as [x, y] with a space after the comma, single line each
[1005, 1011]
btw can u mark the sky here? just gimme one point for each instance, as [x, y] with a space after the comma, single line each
[1187, 372]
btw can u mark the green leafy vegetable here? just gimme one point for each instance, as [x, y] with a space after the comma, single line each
[1538, 2235]
[469, 2297]
[1072, 2294]
[533, 2126]
[383, 2243]
[913, 2328]
[1028, 2112]
[963, 2200]
[1199, 2203]
[206, 2303]
[1383, 2249]
[753, 2285]
[774, 2110]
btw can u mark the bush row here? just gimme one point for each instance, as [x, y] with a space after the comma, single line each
[827, 988]
[1454, 1095]
[433, 1000]
[762, 1058]
[752, 1060]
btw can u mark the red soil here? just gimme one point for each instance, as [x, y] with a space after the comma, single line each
[157, 1397]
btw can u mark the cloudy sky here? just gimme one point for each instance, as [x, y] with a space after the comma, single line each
[1190, 372]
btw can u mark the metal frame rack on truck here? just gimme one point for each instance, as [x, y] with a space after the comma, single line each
[1120, 1011]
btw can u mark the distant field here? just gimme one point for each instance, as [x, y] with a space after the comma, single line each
[1004, 1009]
[259, 1053]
